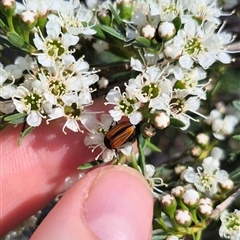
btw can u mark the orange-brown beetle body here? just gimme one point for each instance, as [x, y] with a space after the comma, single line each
[120, 134]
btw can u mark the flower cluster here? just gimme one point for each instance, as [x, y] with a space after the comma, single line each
[155, 90]
[183, 208]
[47, 92]
[55, 85]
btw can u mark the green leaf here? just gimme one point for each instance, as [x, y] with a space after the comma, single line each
[141, 143]
[108, 57]
[236, 104]
[228, 83]
[234, 156]
[15, 39]
[177, 23]
[174, 122]
[99, 33]
[126, 75]
[159, 237]
[117, 18]
[2, 24]
[113, 32]
[90, 165]
[235, 175]
[143, 42]
[15, 118]
[153, 147]
[236, 137]
[157, 209]
[24, 134]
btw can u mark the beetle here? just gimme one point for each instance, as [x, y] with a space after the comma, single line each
[120, 134]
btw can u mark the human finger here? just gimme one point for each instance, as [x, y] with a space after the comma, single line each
[111, 202]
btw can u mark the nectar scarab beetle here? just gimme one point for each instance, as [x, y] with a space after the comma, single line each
[120, 134]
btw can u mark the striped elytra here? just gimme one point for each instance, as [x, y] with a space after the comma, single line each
[120, 134]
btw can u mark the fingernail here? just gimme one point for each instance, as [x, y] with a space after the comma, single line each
[119, 205]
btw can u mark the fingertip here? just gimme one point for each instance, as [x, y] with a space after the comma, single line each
[119, 205]
[113, 202]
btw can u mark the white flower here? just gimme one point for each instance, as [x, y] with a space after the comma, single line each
[69, 85]
[30, 102]
[198, 44]
[55, 47]
[205, 10]
[27, 63]
[168, 10]
[230, 227]
[189, 79]
[39, 7]
[217, 153]
[74, 19]
[72, 113]
[222, 126]
[15, 72]
[154, 182]
[181, 103]
[207, 178]
[151, 87]
[136, 65]
[7, 87]
[7, 106]
[125, 105]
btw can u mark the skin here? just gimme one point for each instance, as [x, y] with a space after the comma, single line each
[110, 202]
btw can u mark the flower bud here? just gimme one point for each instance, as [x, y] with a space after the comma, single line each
[227, 185]
[28, 20]
[148, 130]
[191, 198]
[126, 9]
[148, 32]
[179, 169]
[104, 17]
[168, 204]
[102, 83]
[202, 139]
[166, 30]
[205, 210]
[8, 7]
[206, 200]
[172, 237]
[196, 151]
[171, 53]
[177, 191]
[183, 218]
[161, 120]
